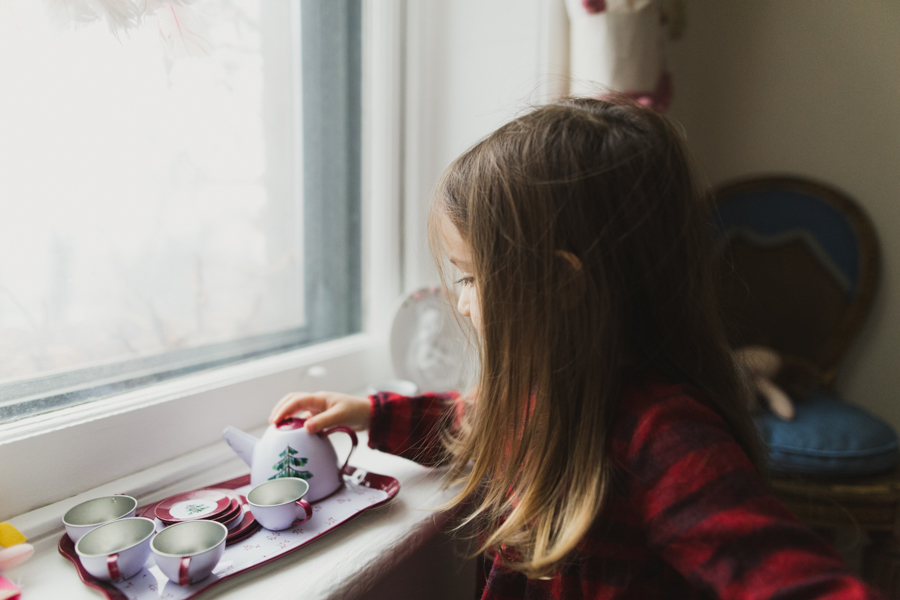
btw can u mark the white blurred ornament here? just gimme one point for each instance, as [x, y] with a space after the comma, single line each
[121, 15]
[182, 29]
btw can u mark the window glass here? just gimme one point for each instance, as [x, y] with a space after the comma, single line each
[178, 195]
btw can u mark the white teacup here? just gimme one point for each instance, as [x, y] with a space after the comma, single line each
[116, 550]
[278, 503]
[188, 552]
[92, 514]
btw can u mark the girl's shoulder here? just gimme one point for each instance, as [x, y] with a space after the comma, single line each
[647, 390]
[654, 411]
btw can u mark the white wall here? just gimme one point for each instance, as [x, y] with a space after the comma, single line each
[810, 88]
[761, 86]
[473, 65]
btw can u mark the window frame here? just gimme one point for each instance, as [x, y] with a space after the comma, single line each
[48, 457]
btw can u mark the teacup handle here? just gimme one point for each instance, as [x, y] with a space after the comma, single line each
[306, 507]
[112, 564]
[353, 440]
[183, 566]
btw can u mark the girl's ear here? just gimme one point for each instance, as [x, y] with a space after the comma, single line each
[570, 279]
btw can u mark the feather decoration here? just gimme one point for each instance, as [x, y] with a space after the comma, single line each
[64, 13]
[181, 29]
[151, 7]
[121, 15]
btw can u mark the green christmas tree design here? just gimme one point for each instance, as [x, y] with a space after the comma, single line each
[193, 509]
[288, 465]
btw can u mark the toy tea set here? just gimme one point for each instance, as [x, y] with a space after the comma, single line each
[296, 492]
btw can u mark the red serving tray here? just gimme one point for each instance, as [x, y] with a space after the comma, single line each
[384, 483]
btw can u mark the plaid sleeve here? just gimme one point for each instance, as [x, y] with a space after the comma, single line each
[709, 514]
[410, 426]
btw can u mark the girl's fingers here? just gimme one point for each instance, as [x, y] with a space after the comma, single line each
[289, 405]
[333, 416]
[327, 409]
[279, 408]
[293, 403]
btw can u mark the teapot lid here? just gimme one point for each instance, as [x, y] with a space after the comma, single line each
[290, 423]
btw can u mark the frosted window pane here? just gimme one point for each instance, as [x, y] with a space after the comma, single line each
[151, 204]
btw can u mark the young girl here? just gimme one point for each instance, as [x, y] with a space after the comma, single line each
[607, 451]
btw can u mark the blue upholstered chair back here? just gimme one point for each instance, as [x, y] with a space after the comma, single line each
[794, 247]
[800, 267]
[772, 217]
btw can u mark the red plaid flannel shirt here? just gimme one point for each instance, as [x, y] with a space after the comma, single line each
[690, 516]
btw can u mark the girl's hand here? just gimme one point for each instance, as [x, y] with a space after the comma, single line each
[328, 409]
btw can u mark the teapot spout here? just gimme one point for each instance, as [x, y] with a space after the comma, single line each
[240, 442]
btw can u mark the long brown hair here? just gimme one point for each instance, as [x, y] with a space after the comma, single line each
[589, 236]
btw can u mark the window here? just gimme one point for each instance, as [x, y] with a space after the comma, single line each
[174, 204]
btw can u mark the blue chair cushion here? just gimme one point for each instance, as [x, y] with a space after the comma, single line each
[828, 437]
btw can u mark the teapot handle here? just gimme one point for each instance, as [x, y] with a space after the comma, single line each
[354, 441]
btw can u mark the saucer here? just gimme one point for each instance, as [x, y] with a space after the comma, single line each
[230, 493]
[234, 521]
[235, 511]
[232, 512]
[192, 506]
[248, 526]
[243, 526]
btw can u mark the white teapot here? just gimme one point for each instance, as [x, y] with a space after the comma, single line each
[288, 450]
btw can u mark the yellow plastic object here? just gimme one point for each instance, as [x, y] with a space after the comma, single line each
[10, 536]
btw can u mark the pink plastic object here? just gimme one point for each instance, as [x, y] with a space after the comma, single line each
[8, 591]
[15, 555]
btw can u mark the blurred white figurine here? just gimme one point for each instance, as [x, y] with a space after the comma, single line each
[761, 366]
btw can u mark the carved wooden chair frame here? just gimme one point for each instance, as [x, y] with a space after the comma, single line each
[866, 503]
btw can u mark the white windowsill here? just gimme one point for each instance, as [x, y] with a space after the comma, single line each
[180, 387]
[347, 563]
[53, 457]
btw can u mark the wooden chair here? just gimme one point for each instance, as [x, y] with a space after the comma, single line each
[801, 266]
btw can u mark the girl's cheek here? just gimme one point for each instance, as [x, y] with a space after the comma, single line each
[462, 303]
[474, 309]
